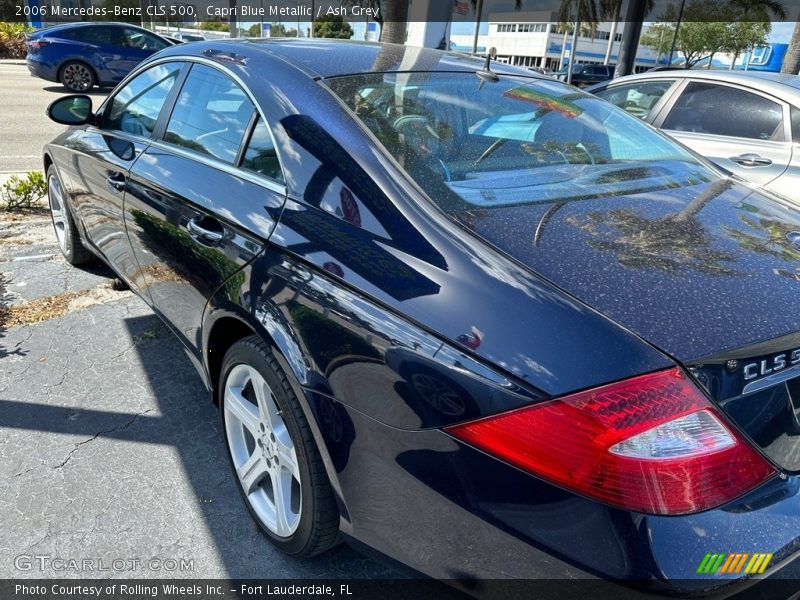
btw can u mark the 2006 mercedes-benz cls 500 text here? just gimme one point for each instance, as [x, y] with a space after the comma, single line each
[473, 318]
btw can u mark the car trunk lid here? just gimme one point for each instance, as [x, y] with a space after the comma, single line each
[708, 273]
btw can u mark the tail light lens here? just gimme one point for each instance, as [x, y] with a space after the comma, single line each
[653, 444]
[38, 44]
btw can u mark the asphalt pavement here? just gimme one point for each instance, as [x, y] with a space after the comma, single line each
[111, 456]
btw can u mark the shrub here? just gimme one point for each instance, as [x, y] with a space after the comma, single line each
[20, 194]
[12, 40]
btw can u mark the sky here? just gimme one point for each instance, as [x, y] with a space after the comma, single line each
[781, 32]
[465, 25]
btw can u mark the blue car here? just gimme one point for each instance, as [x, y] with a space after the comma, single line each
[82, 55]
[470, 317]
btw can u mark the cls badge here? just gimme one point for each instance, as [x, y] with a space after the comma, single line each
[771, 365]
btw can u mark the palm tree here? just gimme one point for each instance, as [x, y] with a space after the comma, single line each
[577, 12]
[674, 243]
[587, 12]
[758, 10]
[791, 60]
[611, 10]
[395, 21]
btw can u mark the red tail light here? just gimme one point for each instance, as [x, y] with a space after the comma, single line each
[652, 444]
[38, 44]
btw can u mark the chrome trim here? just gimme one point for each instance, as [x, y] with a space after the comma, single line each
[770, 380]
[250, 176]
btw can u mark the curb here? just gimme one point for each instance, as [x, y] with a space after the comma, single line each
[13, 61]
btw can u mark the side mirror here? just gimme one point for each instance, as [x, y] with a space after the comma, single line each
[71, 110]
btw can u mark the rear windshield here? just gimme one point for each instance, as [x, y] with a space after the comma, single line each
[514, 141]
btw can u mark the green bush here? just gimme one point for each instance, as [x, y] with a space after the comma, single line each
[20, 194]
[12, 40]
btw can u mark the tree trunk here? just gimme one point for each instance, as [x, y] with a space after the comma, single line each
[395, 21]
[791, 60]
[697, 204]
[233, 25]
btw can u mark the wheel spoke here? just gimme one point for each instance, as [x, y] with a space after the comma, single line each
[287, 458]
[282, 494]
[267, 408]
[252, 472]
[239, 407]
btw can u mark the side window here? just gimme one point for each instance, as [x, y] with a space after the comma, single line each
[723, 110]
[637, 98]
[211, 115]
[143, 40]
[98, 35]
[135, 108]
[260, 155]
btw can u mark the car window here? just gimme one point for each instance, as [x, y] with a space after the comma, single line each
[135, 108]
[725, 110]
[260, 155]
[514, 142]
[98, 35]
[69, 34]
[211, 115]
[638, 98]
[143, 40]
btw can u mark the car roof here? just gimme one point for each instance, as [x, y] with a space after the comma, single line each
[325, 58]
[779, 84]
[89, 24]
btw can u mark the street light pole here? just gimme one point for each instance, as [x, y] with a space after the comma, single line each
[675, 34]
[573, 52]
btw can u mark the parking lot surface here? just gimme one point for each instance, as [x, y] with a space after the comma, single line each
[109, 448]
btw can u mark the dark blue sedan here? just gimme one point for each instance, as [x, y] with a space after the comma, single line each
[81, 55]
[467, 316]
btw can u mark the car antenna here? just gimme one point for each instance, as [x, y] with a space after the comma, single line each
[487, 74]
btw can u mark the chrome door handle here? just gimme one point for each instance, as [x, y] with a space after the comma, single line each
[751, 159]
[211, 237]
[117, 181]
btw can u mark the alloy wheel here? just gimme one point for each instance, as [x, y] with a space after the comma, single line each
[77, 77]
[56, 197]
[262, 450]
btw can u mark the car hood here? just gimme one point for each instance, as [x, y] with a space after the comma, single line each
[695, 270]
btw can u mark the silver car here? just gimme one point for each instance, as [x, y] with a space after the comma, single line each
[746, 122]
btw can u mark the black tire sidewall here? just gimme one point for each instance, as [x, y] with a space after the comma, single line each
[253, 352]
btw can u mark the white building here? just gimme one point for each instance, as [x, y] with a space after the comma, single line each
[532, 39]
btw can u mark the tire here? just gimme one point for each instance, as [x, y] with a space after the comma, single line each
[77, 76]
[69, 241]
[275, 452]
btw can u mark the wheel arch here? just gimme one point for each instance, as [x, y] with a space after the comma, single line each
[225, 325]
